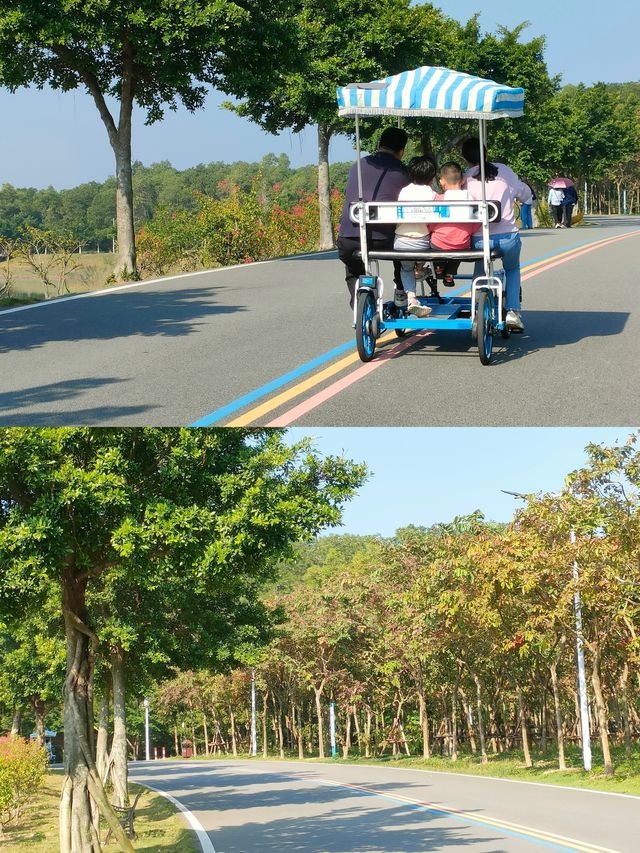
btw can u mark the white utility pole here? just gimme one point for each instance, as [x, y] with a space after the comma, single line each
[146, 729]
[582, 680]
[254, 740]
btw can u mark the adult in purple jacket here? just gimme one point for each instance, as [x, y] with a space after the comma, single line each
[383, 176]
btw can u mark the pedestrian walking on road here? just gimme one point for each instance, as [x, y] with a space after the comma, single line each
[555, 198]
[526, 217]
[568, 203]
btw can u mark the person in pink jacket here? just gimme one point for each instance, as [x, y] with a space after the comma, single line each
[503, 185]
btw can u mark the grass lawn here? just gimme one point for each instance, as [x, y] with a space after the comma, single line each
[626, 779]
[159, 827]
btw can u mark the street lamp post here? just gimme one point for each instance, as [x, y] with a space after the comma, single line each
[582, 681]
[254, 740]
[332, 728]
[146, 729]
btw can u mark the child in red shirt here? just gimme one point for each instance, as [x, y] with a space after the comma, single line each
[451, 236]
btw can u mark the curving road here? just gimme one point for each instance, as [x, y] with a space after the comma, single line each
[264, 807]
[272, 343]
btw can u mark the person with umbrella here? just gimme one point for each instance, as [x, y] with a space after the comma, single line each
[555, 200]
[569, 201]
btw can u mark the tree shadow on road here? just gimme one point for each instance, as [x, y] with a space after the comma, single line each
[350, 821]
[40, 395]
[110, 316]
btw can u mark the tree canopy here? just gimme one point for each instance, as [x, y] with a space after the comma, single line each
[158, 541]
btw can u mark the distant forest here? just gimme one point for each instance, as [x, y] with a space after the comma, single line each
[602, 145]
[87, 211]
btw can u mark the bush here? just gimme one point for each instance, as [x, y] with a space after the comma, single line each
[241, 227]
[23, 766]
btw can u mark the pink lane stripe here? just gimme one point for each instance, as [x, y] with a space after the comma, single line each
[322, 396]
[584, 251]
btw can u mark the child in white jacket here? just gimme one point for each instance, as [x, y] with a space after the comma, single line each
[414, 236]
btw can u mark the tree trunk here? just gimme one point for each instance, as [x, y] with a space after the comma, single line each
[81, 781]
[39, 711]
[601, 711]
[234, 742]
[347, 733]
[326, 240]
[543, 722]
[119, 766]
[562, 765]
[496, 744]
[454, 721]
[523, 730]
[16, 721]
[206, 733]
[102, 740]
[625, 711]
[176, 745]
[424, 724]
[120, 140]
[277, 718]
[265, 748]
[193, 736]
[426, 145]
[318, 694]
[300, 734]
[468, 715]
[481, 735]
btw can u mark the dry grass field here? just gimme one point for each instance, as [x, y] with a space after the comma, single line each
[92, 274]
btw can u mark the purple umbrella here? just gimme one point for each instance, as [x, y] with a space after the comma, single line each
[561, 183]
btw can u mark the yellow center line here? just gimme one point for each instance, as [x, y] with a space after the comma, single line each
[296, 390]
[580, 846]
[317, 378]
[567, 252]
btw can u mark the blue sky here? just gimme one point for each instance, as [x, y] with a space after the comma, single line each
[50, 138]
[430, 475]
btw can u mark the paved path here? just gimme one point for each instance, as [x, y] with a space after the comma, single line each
[272, 343]
[264, 807]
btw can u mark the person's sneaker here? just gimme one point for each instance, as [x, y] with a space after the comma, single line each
[557, 225]
[514, 321]
[400, 298]
[418, 310]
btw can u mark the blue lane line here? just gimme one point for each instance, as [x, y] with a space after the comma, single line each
[461, 818]
[568, 248]
[263, 390]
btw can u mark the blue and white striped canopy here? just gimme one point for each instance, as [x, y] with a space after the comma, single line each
[429, 91]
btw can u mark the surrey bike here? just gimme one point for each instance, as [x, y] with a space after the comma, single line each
[444, 93]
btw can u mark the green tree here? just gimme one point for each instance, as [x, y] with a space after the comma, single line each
[150, 52]
[338, 43]
[91, 510]
[32, 663]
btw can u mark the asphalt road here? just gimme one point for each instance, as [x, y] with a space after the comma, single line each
[272, 343]
[264, 807]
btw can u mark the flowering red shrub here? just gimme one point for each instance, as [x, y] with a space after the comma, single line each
[241, 227]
